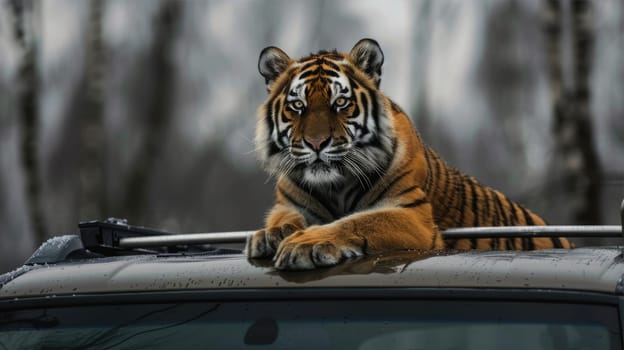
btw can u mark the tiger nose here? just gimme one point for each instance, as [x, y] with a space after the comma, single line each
[316, 142]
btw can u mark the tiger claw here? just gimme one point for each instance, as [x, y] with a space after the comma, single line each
[304, 252]
[264, 243]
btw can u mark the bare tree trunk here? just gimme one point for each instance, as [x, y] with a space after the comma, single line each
[577, 160]
[585, 177]
[27, 102]
[159, 112]
[420, 53]
[92, 187]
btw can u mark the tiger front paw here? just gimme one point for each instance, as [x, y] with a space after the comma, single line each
[264, 243]
[306, 250]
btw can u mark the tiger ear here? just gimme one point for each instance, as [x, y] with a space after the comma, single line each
[272, 63]
[367, 56]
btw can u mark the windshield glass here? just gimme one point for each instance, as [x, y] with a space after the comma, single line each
[299, 324]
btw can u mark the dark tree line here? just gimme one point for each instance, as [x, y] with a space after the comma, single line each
[87, 113]
[85, 147]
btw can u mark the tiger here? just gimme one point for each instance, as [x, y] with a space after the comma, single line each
[353, 176]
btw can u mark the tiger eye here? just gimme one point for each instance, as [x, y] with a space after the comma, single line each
[297, 104]
[340, 102]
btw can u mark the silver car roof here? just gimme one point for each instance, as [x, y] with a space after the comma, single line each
[581, 269]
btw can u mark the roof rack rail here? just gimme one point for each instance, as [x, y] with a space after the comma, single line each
[596, 231]
[116, 234]
[470, 232]
[185, 239]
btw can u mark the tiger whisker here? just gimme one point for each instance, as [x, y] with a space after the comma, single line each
[358, 172]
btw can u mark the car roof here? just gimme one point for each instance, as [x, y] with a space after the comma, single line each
[582, 269]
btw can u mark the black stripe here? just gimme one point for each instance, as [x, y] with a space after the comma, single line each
[356, 112]
[275, 116]
[308, 65]
[493, 243]
[278, 110]
[285, 119]
[475, 204]
[525, 243]
[414, 204]
[446, 197]
[335, 151]
[486, 203]
[389, 186]
[287, 84]
[509, 244]
[374, 178]
[494, 215]
[373, 142]
[495, 222]
[354, 84]
[331, 73]
[299, 205]
[447, 174]
[284, 133]
[364, 126]
[296, 153]
[290, 199]
[268, 117]
[351, 195]
[473, 243]
[396, 107]
[273, 149]
[331, 64]
[462, 198]
[556, 242]
[512, 211]
[348, 131]
[501, 210]
[429, 174]
[407, 190]
[357, 126]
[309, 73]
[324, 202]
[277, 106]
[450, 243]
[434, 240]
[375, 108]
[475, 212]
[527, 216]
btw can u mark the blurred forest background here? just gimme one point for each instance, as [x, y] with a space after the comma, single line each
[145, 109]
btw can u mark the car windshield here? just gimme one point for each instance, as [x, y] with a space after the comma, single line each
[301, 324]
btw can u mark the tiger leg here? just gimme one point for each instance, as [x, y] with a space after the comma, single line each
[372, 231]
[281, 222]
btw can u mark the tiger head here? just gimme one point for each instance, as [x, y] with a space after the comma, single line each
[325, 120]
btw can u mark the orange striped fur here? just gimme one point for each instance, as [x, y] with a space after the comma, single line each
[353, 175]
